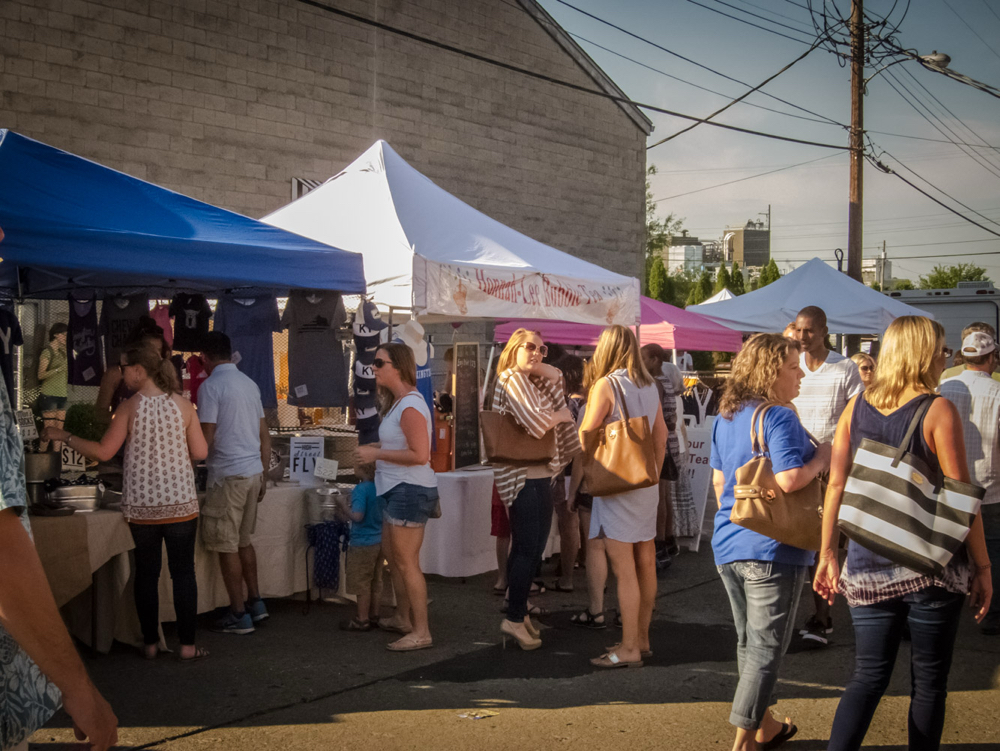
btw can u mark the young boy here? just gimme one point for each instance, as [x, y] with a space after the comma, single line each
[364, 556]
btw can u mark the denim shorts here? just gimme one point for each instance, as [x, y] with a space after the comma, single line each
[48, 403]
[408, 505]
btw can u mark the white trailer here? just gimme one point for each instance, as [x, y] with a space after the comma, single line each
[956, 308]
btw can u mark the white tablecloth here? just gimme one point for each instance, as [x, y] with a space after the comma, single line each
[459, 543]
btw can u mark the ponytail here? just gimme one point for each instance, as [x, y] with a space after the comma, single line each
[158, 368]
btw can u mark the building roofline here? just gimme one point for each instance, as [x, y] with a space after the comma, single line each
[592, 69]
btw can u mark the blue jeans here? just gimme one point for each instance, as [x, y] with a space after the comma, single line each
[530, 519]
[932, 615]
[764, 596]
[991, 527]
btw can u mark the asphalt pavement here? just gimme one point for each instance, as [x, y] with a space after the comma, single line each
[299, 682]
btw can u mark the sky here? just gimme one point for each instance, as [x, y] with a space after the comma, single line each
[809, 203]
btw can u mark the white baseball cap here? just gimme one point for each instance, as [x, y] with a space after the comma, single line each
[978, 344]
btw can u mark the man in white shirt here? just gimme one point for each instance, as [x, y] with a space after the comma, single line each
[977, 397]
[685, 362]
[829, 382]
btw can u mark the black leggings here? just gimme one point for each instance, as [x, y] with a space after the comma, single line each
[179, 538]
[530, 519]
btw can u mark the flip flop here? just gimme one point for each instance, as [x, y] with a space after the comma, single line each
[408, 644]
[644, 653]
[611, 660]
[200, 653]
[500, 591]
[386, 625]
[537, 588]
[788, 730]
[557, 587]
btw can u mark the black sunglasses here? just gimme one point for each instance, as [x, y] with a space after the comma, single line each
[378, 362]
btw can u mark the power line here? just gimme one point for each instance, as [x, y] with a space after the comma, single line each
[755, 15]
[692, 62]
[890, 79]
[737, 99]
[933, 140]
[945, 108]
[743, 179]
[776, 13]
[751, 23]
[988, 45]
[697, 86]
[556, 81]
[878, 165]
[990, 9]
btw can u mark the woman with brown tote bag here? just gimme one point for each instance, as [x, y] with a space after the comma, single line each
[624, 389]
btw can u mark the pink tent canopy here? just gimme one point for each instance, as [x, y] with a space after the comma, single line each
[670, 327]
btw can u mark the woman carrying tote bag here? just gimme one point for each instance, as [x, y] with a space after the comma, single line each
[885, 596]
[533, 393]
[622, 388]
[763, 577]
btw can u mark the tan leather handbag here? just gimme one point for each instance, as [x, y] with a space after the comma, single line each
[761, 505]
[506, 442]
[619, 456]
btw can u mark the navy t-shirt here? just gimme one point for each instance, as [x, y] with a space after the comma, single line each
[250, 323]
[789, 448]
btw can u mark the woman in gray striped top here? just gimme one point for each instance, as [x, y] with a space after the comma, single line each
[535, 394]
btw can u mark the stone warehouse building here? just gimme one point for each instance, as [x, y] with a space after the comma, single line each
[234, 102]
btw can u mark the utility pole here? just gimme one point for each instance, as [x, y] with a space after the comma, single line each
[855, 208]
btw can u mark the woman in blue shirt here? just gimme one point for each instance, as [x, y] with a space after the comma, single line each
[763, 577]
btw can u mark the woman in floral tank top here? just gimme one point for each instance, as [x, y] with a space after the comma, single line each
[162, 437]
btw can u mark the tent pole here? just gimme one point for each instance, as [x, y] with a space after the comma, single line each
[486, 381]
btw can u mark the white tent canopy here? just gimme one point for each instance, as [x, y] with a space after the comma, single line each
[850, 307]
[723, 294]
[426, 250]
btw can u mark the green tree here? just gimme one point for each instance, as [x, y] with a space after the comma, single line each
[876, 286]
[722, 280]
[901, 284]
[657, 280]
[736, 280]
[948, 277]
[701, 290]
[768, 274]
[658, 231]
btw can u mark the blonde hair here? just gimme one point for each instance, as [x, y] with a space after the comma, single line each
[508, 358]
[159, 369]
[861, 357]
[616, 349]
[909, 347]
[754, 371]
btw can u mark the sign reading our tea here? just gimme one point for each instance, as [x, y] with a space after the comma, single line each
[303, 451]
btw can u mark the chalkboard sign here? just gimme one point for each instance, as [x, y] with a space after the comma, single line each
[466, 404]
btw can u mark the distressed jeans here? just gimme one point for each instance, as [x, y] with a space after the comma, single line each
[932, 615]
[764, 596]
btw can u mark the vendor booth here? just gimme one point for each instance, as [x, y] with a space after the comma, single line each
[432, 255]
[850, 306]
[428, 252]
[663, 324]
[75, 229]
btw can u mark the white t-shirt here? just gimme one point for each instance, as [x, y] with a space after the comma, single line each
[824, 394]
[685, 362]
[977, 398]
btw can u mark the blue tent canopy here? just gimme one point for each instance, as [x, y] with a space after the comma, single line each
[72, 225]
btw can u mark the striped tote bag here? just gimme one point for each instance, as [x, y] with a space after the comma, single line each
[896, 506]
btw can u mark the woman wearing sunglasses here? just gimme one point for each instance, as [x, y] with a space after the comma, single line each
[866, 366]
[407, 486]
[534, 392]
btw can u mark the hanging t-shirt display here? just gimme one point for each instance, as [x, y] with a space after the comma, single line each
[161, 314]
[196, 375]
[317, 366]
[10, 337]
[250, 323]
[85, 368]
[191, 314]
[119, 315]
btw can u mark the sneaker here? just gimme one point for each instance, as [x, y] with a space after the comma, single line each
[234, 623]
[673, 549]
[816, 631]
[815, 624]
[257, 610]
[663, 560]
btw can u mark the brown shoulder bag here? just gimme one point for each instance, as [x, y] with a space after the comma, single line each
[506, 442]
[761, 505]
[619, 456]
